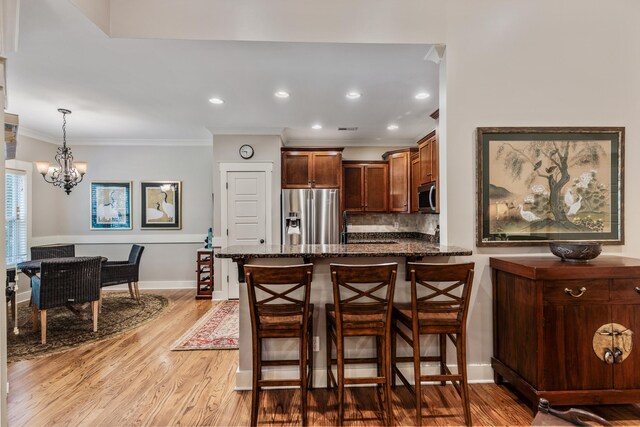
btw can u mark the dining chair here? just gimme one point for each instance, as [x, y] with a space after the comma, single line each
[64, 281]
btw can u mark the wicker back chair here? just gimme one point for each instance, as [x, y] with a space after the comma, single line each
[119, 272]
[63, 281]
[53, 251]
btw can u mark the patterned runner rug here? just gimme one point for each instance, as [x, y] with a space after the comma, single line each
[216, 330]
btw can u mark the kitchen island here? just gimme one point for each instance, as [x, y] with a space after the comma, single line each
[363, 251]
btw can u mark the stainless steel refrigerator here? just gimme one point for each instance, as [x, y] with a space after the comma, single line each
[310, 216]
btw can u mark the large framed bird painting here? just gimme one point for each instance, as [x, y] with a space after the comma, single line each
[536, 185]
[111, 205]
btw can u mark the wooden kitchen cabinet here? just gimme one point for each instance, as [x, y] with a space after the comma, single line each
[415, 181]
[311, 168]
[426, 151]
[365, 187]
[554, 323]
[399, 179]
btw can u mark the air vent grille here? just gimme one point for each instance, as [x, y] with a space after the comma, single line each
[351, 128]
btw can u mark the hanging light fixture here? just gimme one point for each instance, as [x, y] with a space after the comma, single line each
[68, 173]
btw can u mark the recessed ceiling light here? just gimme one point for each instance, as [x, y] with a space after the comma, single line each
[422, 95]
[392, 127]
[216, 101]
[353, 95]
[316, 126]
[282, 94]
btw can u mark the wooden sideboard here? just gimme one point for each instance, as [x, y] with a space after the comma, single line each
[547, 315]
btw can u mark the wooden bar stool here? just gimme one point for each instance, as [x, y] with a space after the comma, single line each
[363, 297]
[279, 308]
[437, 311]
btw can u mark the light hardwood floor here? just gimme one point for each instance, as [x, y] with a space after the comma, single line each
[135, 379]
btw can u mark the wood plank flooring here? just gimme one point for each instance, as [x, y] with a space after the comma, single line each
[135, 379]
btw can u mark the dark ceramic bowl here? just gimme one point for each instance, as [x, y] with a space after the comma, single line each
[576, 251]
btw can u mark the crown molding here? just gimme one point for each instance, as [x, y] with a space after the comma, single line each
[364, 142]
[31, 133]
[40, 136]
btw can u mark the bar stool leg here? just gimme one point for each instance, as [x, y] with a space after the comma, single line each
[257, 374]
[340, 348]
[462, 369]
[310, 352]
[303, 374]
[394, 343]
[329, 351]
[443, 356]
[417, 374]
[386, 356]
[380, 372]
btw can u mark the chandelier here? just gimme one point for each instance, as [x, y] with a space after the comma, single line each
[68, 173]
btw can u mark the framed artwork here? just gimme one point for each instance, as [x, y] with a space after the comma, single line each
[111, 205]
[536, 185]
[161, 203]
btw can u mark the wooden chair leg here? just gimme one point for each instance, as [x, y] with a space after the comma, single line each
[340, 354]
[34, 317]
[394, 343]
[443, 356]
[95, 308]
[310, 352]
[131, 291]
[302, 366]
[417, 372]
[386, 358]
[257, 372]
[461, 348]
[329, 353]
[137, 291]
[43, 326]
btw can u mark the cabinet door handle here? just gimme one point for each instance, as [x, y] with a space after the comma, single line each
[581, 292]
[609, 359]
[638, 289]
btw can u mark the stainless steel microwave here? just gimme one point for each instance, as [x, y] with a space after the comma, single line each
[428, 198]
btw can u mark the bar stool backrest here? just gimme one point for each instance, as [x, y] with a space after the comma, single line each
[358, 290]
[439, 284]
[282, 291]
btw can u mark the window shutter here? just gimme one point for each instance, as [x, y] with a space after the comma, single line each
[16, 216]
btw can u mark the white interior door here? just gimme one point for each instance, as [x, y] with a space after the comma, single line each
[246, 215]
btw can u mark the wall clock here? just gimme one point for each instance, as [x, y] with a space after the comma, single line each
[246, 151]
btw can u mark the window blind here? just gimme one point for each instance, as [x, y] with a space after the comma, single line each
[16, 216]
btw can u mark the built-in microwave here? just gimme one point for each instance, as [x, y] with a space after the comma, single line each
[427, 198]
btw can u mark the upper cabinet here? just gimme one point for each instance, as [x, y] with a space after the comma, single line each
[365, 187]
[415, 181]
[428, 161]
[311, 168]
[399, 179]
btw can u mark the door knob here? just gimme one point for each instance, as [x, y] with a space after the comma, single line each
[608, 357]
[261, 240]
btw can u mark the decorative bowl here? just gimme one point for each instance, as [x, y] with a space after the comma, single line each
[575, 251]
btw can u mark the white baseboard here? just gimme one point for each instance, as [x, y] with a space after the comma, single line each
[100, 237]
[476, 374]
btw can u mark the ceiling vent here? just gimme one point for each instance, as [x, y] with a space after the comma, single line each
[351, 129]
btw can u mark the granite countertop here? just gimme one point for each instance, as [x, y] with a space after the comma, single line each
[401, 247]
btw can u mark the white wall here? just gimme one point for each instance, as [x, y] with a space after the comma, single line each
[169, 257]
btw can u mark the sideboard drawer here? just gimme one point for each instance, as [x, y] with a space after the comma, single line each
[626, 290]
[576, 290]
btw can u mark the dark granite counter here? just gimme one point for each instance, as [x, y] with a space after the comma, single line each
[401, 247]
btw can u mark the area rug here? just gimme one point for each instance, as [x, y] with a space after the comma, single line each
[120, 313]
[216, 330]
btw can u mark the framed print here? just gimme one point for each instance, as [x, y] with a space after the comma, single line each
[111, 205]
[536, 185]
[161, 203]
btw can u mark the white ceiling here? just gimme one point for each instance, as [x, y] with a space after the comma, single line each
[124, 89]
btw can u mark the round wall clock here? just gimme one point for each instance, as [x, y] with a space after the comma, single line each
[246, 151]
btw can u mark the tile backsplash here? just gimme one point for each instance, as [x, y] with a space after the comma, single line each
[367, 223]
